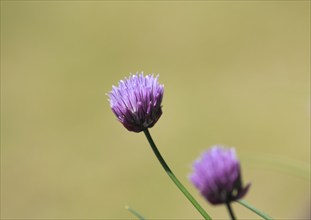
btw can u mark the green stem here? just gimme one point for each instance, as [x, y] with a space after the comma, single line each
[174, 178]
[230, 211]
[139, 216]
[263, 215]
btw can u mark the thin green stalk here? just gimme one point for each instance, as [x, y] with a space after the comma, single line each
[253, 209]
[139, 216]
[174, 178]
[230, 211]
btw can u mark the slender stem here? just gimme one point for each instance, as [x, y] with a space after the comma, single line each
[252, 208]
[230, 211]
[139, 216]
[174, 178]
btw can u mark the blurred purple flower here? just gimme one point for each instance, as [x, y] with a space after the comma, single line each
[216, 174]
[137, 101]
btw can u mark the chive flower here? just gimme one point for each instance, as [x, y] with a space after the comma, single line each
[137, 101]
[217, 175]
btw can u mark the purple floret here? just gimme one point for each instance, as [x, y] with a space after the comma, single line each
[137, 101]
[217, 175]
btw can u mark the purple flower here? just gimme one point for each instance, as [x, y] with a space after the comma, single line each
[216, 174]
[137, 101]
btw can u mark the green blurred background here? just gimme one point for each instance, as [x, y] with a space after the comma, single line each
[235, 73]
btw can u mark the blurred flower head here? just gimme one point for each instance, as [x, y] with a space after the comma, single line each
[216, 174]
[137, 101]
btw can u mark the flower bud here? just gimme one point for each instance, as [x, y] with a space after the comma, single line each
[137, 101]
[217, 175]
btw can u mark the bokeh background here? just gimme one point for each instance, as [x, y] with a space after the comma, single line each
[235, 73]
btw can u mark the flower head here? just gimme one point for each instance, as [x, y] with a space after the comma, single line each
[137, 101]
[216, 174]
